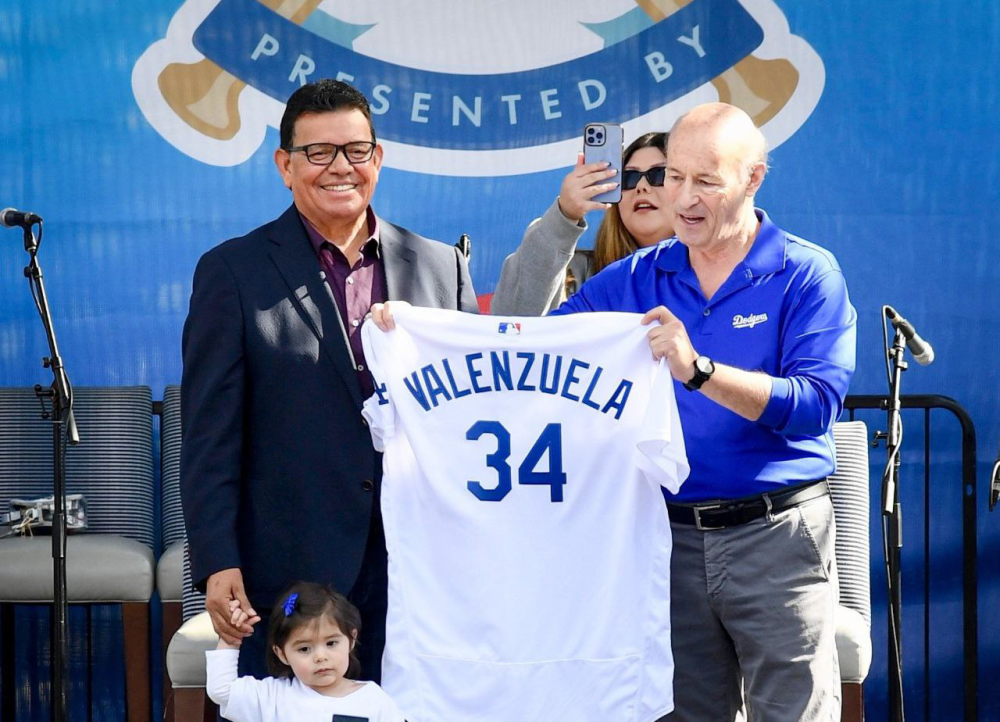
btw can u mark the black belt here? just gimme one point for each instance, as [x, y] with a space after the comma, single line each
[740, 511]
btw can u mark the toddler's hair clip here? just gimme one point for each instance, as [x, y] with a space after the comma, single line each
[290, 604]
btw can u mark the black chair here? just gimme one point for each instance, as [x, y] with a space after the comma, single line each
[111, 562]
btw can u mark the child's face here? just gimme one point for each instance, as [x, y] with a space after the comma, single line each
[319, 654]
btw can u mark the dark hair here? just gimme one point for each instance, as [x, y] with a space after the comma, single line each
[323, 96]
[313, 601]
[656, 140]
[613, 240]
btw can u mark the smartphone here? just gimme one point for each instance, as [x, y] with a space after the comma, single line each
[603, 141]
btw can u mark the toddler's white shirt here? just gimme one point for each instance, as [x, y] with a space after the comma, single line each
[245, 699]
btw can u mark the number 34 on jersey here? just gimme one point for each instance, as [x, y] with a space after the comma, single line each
[515, 465]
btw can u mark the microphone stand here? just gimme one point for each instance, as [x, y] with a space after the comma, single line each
[892, 526]
[995, 483]
[60, 395]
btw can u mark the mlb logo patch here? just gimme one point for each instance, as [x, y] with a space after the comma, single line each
[511, 329]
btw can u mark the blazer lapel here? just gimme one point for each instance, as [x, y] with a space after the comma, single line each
[292, 253]
[398, 260]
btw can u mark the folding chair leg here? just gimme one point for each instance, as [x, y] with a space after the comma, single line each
[191, 704]
[173, 617]
[135, 624]
[852, 708]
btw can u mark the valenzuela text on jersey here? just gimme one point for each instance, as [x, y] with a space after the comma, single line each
[486, 372]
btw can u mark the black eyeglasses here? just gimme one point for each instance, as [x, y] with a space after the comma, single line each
[654, 176]
[356, 152]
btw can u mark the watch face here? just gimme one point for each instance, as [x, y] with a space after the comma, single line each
[704, 365]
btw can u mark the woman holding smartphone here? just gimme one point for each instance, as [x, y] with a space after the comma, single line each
[546, 268]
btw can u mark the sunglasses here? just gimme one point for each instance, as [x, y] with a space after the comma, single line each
[654, 176]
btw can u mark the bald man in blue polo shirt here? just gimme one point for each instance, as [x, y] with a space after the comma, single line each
[759, 334]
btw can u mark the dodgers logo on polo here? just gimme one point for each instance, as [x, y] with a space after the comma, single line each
[473, 88]
[748, 321]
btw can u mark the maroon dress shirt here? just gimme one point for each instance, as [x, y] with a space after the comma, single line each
[355, 288]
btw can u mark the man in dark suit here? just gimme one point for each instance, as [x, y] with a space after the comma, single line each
[279, 479]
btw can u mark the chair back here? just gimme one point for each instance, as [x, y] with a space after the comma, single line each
[112, 466]
[849, 492]
[193, 601]
[170, 467]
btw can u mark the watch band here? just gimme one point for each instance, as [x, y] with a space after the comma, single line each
[700, 377]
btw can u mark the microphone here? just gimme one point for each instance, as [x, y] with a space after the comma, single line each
[12, 218]
[922, 352]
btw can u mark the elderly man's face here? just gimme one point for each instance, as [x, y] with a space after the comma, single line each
[334, 195]
[708, 182]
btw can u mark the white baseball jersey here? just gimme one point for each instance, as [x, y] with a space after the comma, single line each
[529, 546]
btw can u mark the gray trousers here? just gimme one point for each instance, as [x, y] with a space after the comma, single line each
[752, 615]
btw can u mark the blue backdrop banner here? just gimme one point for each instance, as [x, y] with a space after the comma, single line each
[143, 132]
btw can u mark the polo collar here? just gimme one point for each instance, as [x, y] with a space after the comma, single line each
[767, 254]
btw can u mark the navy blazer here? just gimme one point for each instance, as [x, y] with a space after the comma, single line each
[278, 473]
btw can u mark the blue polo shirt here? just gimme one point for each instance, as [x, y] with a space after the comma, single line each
[784, 311]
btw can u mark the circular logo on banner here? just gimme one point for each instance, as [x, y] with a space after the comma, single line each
[473, 89]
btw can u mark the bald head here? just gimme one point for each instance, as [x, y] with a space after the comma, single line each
[716, 161]
[727, 129]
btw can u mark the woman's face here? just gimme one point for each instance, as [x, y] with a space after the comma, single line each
[644, 208]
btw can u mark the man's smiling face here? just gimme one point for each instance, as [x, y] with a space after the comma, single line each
[337, 194]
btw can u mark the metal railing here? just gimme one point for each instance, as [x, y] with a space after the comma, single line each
[970, 620]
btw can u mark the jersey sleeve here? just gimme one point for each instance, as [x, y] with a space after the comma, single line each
[662, 455]
[378, 410]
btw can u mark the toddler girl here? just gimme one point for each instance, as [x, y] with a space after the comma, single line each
[311, 640]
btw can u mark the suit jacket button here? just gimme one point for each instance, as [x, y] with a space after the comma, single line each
[367, 484]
